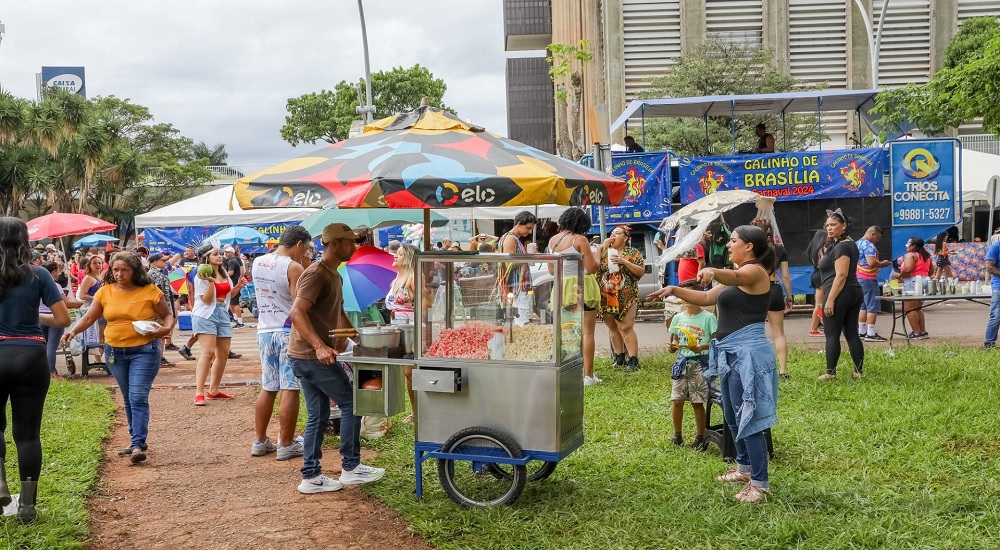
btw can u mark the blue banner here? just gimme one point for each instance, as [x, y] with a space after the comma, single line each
[924, 177]
[174, 239]
[647, 197]
[846, 173]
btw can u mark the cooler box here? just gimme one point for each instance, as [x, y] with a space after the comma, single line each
[184, 320]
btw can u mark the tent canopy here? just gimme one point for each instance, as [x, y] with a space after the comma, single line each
[216, 208]
[977, 169]
[726, 105]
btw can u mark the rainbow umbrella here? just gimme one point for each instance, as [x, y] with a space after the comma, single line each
[177, 277]
[367, 277]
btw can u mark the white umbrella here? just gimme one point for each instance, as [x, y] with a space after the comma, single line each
[703, 212]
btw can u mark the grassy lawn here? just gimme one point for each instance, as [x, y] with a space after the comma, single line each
[906, 458]
[77, 418]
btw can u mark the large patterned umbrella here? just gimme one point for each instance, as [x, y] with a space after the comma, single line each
[427, 158]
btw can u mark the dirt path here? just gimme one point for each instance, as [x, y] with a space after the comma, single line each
[200, 488]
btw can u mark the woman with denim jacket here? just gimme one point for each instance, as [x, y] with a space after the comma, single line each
[741, 356]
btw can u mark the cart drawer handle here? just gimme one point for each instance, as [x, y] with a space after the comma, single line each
[433, 381]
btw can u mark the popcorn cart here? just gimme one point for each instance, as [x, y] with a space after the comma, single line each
[499, 390]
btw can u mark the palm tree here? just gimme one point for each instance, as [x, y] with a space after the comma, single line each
[216, 155]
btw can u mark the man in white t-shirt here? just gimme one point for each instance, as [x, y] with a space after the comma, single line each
[275, 277]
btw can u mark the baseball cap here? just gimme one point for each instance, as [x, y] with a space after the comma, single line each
[338, 231]
[228, 248]
[36, 255]
[50, 246]
[155, 257]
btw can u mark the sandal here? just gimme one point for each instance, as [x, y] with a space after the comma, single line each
[827, 376]
[733, 476]
[408, 419]
[752, 493]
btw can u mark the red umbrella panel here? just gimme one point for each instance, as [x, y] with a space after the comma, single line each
[56, 225]
[428, 159]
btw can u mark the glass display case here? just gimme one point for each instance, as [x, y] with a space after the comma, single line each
[523, 308]
[499, 344]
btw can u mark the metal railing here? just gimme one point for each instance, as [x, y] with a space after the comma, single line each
[237, 171]
[984, 143]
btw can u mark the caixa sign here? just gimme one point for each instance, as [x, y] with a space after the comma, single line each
[70, 79]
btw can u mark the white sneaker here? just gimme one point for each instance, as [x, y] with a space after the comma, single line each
[294, 450]
[361, 474]
[596, 379]
[262, 448]
[319, 484]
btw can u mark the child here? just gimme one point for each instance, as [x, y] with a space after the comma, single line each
[690, 332]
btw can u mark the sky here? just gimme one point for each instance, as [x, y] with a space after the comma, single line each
[221, 71]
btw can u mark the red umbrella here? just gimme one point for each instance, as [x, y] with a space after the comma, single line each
[56, 225]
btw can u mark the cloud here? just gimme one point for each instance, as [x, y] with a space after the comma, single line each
[221, 71]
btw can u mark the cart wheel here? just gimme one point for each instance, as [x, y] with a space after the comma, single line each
[473, 485]
[536, 470]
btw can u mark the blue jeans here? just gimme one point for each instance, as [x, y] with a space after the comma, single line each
[994, 323]
[134, 368]
[320, 384]
[52, 336]
[751, 451]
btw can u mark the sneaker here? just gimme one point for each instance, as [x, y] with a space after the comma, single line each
[752, 494]
[734, 476]
[596, 379]
[262, 448]
[319, 484]
[199, 400]
[185, 352]
[235, 355]
[588, 381]
[876, 338]
[989, 345]
[815, 333]
[361, 474]
[287, 453]
[164, 362]
[699, 443]
[677, 439]
[239, 324]
[219, 395]
[826, 377]
[923, 336]
[138, 455]
[171, 347]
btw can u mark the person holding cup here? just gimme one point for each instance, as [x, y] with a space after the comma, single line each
[621, 268]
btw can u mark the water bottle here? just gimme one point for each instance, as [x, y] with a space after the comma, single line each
[497, 345]
[918, 285]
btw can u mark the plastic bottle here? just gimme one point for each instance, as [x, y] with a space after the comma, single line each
[918, 285]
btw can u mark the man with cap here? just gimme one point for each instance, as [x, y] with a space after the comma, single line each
[234, 267]
[318, 310]
[157, 265]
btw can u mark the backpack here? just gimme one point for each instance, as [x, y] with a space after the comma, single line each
[716, 253]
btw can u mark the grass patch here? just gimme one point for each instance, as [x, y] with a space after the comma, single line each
[77, 418]
[905, 458]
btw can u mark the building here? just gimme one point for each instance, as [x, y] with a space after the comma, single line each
[818, 41]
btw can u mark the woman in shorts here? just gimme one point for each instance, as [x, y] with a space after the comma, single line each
[210, 322]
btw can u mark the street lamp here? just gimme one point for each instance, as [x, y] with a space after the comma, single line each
[873, 45]
[368, 109]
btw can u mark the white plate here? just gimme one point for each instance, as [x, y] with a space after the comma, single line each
[146, 327]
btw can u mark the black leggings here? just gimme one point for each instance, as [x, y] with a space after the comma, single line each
[844, 320]
[24, 379]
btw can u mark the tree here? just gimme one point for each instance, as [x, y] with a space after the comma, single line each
[722, 68]
[327, 115]
[963, 90]
[216, 154]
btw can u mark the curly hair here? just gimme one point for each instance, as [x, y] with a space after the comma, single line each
[575, 220]
[140, 277]
[15, 254]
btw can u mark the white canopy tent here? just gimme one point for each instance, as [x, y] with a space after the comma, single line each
[217, 207]
[977, 170]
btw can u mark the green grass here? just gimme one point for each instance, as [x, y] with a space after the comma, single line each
[76, 420]
[906, 458]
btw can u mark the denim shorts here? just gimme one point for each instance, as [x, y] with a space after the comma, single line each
[870, 288]
[217, 325]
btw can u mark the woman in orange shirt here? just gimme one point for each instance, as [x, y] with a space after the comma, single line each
[127, 296]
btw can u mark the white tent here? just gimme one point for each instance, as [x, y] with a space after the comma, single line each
[977, 169]
[216, 207]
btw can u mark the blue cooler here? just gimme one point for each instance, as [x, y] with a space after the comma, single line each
[184, 320]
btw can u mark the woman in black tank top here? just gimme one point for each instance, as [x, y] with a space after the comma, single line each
[742, 298]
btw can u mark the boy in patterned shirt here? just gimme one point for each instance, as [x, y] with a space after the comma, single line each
[690, 333]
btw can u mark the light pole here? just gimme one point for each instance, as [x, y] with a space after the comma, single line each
[873, 45]
[368, 109]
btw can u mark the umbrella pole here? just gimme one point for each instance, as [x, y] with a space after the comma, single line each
[427, 228]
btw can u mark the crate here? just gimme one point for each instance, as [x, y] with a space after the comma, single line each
[477, 290]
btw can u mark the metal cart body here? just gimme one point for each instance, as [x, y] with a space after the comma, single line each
[513, 412]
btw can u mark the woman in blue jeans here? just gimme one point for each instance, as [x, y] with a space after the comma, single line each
[133, 353]
[741, 355]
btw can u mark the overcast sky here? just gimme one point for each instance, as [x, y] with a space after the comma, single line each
[222, 70]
